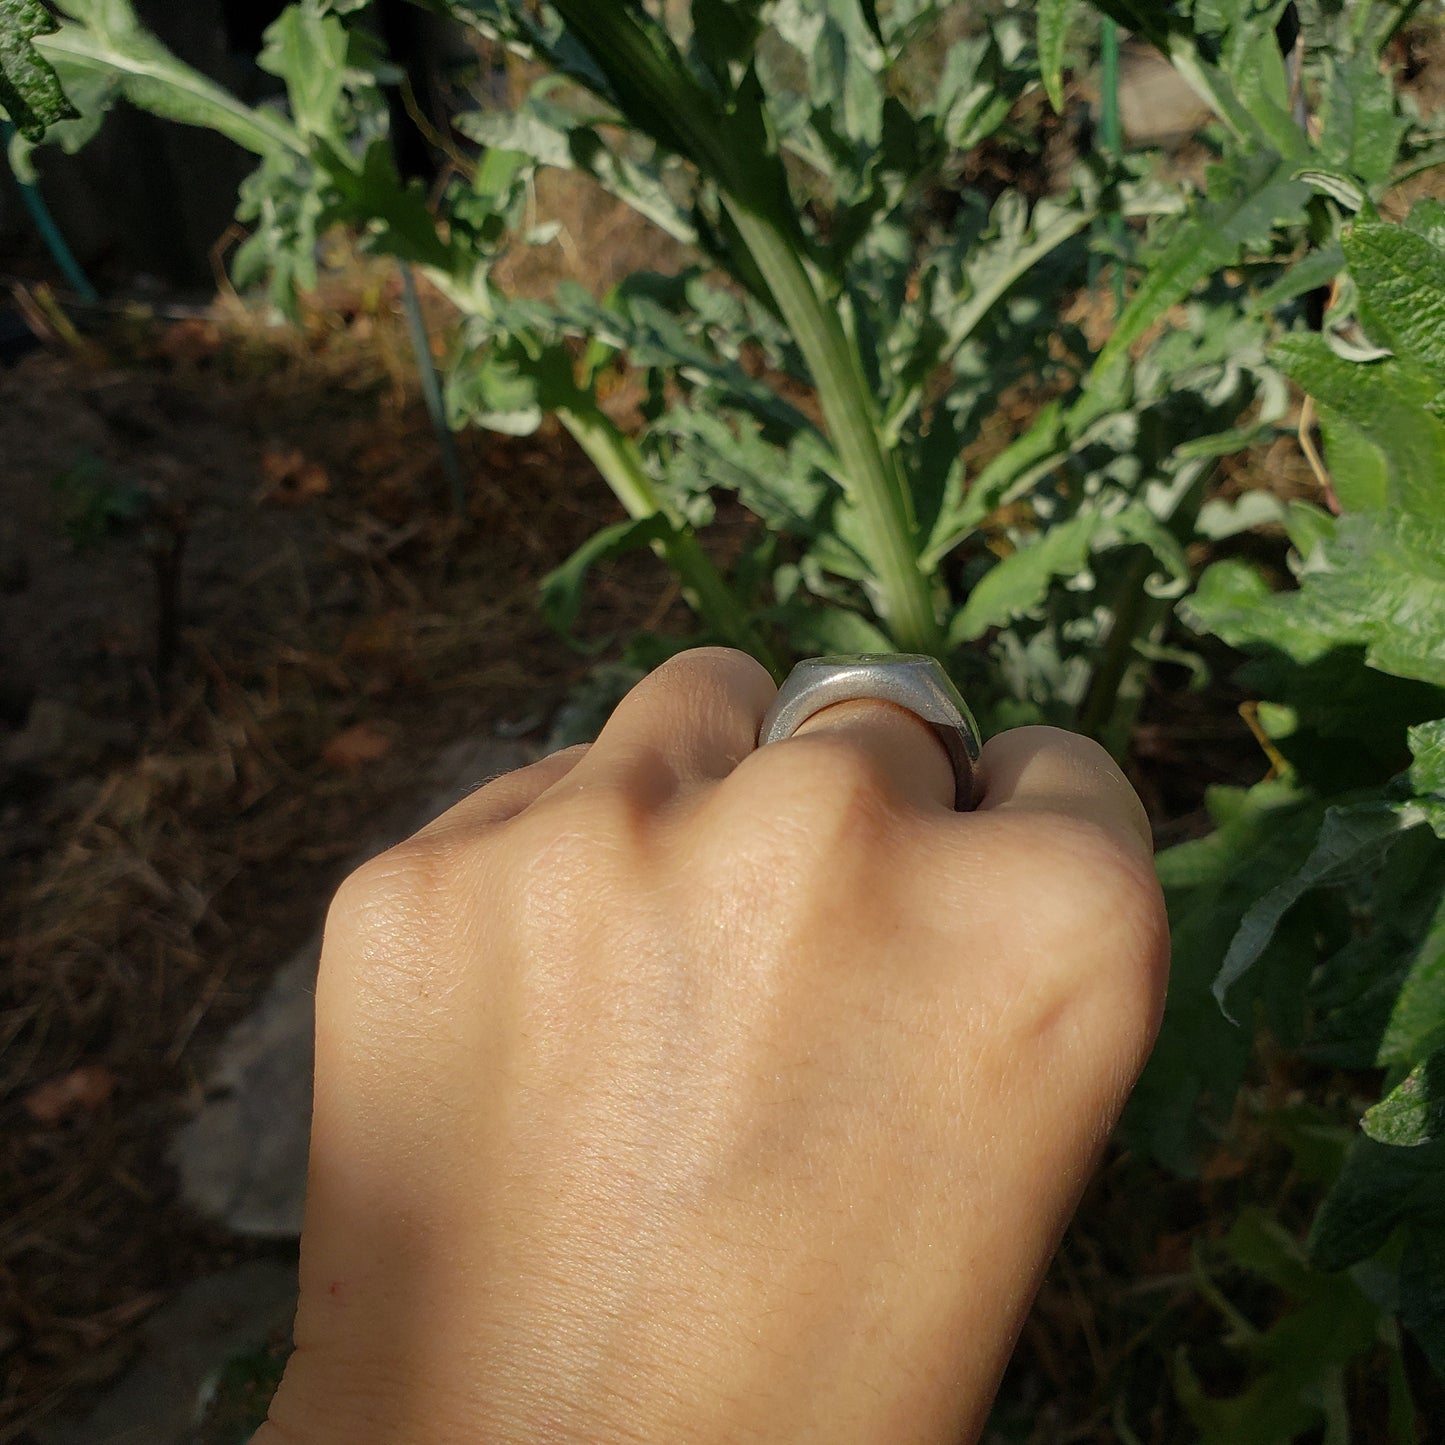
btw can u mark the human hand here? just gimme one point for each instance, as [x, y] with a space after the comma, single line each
[672, 1089]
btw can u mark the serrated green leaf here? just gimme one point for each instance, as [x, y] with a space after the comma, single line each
[1360, 122]
[1020, 581]
[1017, 468]
[1353, 840]
[551, 136]
[1242, 817]
[1017, 241]
[1300, 1362]
[1245, 207]
[1427, 219]
[30, 90]
[789, 489]
[92, 94]
[307, 49]
[661, 97]
[1136, 523]
[962, 284]
[1052, 18]
[1422, 1288]
[1317, 268]
[976, 90]
[1260, 837]
[1252, 60]
[1219, 518]
[1233, 601]
[509, 386]
[391, 214]
[844, 75]
[1360, 473]
[1379, 583]
[1417, 1017]
[1401, 277]
[1427, 747]
[1309, 527]
[1413, 1112]
[1379, 1188]
[561, 589]
[1388, 404]
[819, 629]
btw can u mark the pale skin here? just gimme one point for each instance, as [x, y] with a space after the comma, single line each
[677, 1090]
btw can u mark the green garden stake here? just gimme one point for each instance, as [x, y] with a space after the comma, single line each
[50, 233]
[431, 390]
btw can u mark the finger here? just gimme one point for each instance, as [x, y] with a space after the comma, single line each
[694, 719]
[897, 742]
[1048, 770]
[504, 797]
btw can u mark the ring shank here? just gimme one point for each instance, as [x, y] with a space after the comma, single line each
[917, 683]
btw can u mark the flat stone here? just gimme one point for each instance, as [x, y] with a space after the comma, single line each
[184, 1347]
[242, 1158]
[1157, 106]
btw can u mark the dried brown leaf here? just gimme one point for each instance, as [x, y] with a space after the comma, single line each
[82, 1090]
[355, 747]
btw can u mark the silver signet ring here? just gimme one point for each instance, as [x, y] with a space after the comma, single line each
[911, 680]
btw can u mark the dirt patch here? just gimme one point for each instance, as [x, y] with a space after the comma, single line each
[238, 618]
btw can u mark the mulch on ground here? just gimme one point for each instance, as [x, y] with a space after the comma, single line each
[178, 797]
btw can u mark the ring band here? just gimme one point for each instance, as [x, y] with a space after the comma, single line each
[911, 680]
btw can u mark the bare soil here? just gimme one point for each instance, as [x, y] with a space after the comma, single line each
[178, 798]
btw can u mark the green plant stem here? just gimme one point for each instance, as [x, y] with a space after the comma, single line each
[431, 389]
[1110, 707]
[1116, 690]
[50, 233]
[615, 455]
[658, 94]
[1113, 139]
[870, 477]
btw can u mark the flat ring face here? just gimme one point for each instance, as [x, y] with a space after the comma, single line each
[910, 680]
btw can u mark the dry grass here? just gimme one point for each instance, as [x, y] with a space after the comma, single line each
[152, 889]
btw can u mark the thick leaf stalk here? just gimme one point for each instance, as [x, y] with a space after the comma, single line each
[727, 143]
[1110, 708]
[870, 476]
[615, 455]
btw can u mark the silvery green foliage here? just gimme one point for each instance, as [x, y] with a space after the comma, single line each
[809, 156]
[1319, 904]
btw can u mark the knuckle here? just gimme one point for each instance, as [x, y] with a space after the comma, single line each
[822, 783]
[1099, 879]
[800, 827]
[1106, 909]
[392, 932]
[577, 833]
[388, 897]
[1098, 906]
[712, 673]
[709, 659]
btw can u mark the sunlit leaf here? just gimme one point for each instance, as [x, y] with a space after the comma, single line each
[30, 91]
[1354, 839]
[1413, 1112]
[1052, 19]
